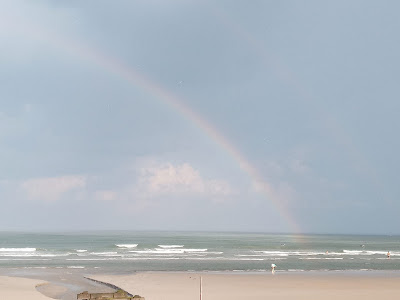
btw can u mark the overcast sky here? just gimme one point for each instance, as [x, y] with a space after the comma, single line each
[274, 116]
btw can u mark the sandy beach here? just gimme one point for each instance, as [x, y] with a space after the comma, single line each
[215, 286]
[185, 286]
[45, 284]
[15, 288]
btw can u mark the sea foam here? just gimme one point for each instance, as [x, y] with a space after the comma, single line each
[126, 245]
[17, 249]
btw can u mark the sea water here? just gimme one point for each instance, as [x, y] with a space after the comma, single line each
[125, 252]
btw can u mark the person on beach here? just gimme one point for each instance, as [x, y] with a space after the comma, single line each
[388, 254]
[273, 266]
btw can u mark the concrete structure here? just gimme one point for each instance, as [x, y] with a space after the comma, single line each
[118, 295]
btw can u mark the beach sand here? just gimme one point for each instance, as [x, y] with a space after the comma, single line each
[221, 286]
[14, 288]
[185, 286]
[55, 284]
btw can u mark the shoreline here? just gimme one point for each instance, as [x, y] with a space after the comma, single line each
[39, 272]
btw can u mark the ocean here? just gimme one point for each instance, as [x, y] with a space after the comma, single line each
[127, 252]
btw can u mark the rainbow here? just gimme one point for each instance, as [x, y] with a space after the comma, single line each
[116, 67]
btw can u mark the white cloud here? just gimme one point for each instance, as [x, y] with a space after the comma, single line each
[50, 189]
[106, 195]
[154, 183]
[169, 179]
[158, 184]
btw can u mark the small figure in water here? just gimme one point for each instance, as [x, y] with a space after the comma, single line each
[273, 266]
[388, 254]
